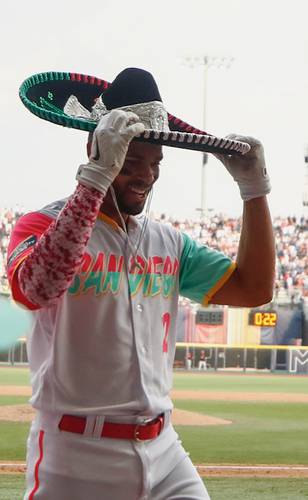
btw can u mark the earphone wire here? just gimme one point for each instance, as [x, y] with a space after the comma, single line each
[133, 250]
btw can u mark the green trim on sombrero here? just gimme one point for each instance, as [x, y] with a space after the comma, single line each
[46, 94]
[45, 108]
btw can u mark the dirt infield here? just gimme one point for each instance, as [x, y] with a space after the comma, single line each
[209, 470]
[282, 471]
[278, 397]
[15, 390]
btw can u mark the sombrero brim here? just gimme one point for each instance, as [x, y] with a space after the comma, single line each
[45, 95]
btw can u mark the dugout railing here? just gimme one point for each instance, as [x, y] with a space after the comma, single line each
[290, 359]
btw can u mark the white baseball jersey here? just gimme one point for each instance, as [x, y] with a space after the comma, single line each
[107, 345]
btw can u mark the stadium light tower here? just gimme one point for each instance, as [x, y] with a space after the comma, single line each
[206, 61]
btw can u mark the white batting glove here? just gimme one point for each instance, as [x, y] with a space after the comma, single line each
[110, 143]
[249, 169]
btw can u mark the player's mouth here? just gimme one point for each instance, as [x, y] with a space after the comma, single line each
[139, 192]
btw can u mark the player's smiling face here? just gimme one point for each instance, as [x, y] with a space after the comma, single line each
[134, 182]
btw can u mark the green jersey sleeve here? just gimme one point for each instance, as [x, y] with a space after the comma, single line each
[202, 271]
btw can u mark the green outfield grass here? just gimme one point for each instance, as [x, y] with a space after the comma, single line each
[241, 382]
[12, 488]
[269, 433]
[257, 489]
[261, 432]
[13, 400]
[14, 376]
[13, 435]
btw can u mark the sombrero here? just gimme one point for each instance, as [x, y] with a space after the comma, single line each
[78, 101]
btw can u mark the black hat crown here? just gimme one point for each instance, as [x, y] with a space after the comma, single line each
[131, 86]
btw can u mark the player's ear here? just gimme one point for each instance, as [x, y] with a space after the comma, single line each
[89, 143]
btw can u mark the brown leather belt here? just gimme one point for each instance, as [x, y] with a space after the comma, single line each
[143, 431]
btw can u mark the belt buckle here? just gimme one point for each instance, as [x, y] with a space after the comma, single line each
[137, 429]
[143, 424]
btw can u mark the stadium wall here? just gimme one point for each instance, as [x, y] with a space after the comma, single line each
[272, 324]
[232, 337]
[289, 359]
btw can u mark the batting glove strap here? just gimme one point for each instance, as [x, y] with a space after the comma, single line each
[248, 170]
[254, 187]
[93, 176]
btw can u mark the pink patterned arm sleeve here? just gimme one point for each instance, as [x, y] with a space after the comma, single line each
[48, 271]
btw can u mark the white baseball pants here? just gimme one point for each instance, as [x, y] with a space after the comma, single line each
[67, 466]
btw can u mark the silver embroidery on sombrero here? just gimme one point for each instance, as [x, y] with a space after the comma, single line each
[75, 109]
[98, 110]
[155, 119]
[152, 114]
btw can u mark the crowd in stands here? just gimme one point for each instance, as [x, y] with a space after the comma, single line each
[291, 235]
[222, 233]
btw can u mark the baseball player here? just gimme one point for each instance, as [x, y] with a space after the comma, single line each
[103, 285]
[202, 360]
[189, 360]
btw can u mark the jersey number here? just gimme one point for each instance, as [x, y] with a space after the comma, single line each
[166, 324]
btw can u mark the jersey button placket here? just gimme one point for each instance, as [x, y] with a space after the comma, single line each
[142, 338]
[144, 348]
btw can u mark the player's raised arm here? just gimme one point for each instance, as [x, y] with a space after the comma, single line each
[252, 281]
[46, 271]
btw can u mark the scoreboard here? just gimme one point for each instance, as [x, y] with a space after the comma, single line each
[257, 317]
[210, 317]
[260, 317]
